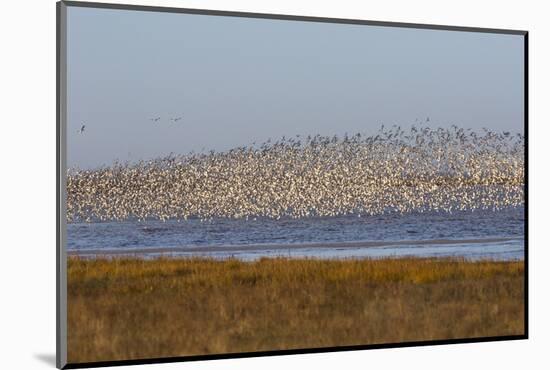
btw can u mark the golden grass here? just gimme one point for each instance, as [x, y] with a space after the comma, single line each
[134, 308]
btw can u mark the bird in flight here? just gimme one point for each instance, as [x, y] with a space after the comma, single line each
[81, 131]
[175, 119]
[156, 119]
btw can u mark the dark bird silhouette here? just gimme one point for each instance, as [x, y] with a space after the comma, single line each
[81, 131]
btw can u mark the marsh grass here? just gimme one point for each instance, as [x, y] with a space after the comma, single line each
[135, 308]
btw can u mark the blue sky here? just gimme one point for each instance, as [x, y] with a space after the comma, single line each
[240, 80]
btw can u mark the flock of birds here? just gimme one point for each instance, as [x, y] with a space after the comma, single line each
[422, 169]
[154, 119]
[173, 119]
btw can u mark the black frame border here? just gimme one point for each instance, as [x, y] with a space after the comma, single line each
[60, 147]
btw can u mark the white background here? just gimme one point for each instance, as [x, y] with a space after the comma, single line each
[27, 183]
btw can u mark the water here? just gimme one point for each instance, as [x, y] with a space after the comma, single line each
[470, 234]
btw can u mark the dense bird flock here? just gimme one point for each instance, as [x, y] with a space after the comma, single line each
[419, 170]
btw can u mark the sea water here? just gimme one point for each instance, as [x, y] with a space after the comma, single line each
[477, 234]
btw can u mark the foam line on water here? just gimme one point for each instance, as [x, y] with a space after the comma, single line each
[285, 247]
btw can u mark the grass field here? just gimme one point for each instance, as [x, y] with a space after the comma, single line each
[135, 308]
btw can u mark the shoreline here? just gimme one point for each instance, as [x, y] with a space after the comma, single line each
[272, 247]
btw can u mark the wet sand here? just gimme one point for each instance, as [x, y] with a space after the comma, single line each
[280, 249]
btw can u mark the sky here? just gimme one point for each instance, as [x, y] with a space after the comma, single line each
[237, 80]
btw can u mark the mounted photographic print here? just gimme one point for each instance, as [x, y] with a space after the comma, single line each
[236, 184]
